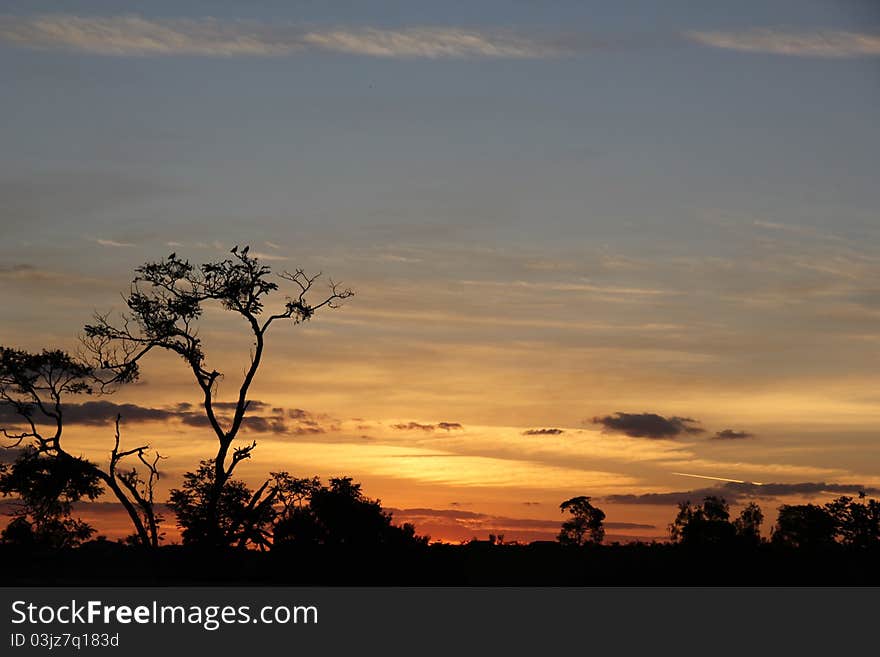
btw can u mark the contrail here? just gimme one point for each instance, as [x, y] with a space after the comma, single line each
[733, 481]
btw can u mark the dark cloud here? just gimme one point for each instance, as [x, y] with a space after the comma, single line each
[261, 424]
[95, 413]
[543, 432]
[449, 426]
[20, 271]
[253, 405]
[805, 489]
[648, 425]
[730, 434]
[666, 499]
[306, 430]
[103, 412]
[199, 420]
[415, 426]
[735, 492]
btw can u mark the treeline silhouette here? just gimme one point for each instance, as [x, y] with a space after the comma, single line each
[321, 534]
[296, 530]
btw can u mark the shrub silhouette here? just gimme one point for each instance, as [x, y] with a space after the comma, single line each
[47, 488]
[340, 514]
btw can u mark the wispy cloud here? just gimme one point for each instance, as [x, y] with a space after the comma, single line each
[430, 42]
[114, 243]
[576, 286]
[134, 35]
[267, 256]
[821, 43]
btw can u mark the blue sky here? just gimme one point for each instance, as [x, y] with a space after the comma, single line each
[551, 211]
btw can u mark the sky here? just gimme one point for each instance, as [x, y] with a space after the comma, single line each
[596, 247]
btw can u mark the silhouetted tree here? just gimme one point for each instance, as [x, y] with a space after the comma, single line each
[165, 302]
[240, 519]
[585, 525]
[19, 532]
[748, 524]
[806, 526]
[857, 523]
[46, 488]
[340, 514]
[33, 386]
[705, 524]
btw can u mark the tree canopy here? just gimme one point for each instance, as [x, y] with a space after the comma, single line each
[585, 525]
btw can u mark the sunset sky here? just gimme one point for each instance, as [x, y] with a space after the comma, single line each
[595, 246]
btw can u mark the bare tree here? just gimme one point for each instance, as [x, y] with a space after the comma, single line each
[166, 301]
[140, 490]
[33, 386]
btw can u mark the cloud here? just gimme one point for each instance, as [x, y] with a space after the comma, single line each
[390, 257]
[132, 35]
[730, 434]
[267, 256]
[449, 426]
[822, 43]
[26, 272]
[96, 413]
[429, 42]
[114, 243]
[543, 432]
[582, 285]
[735, 492]
[416, 426]
[648, 425]
[253, 405]
[280, 421]
[15, 270]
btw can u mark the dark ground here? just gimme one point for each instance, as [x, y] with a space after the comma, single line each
[103, 563]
